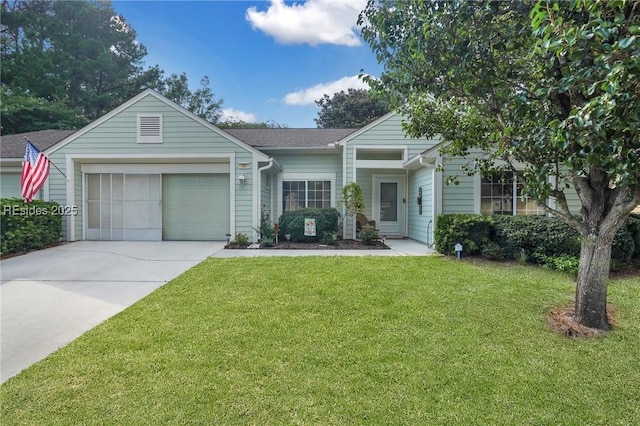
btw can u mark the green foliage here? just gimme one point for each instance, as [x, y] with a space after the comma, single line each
[623, 247]
[352, 199]
[525, 238]
[242, 239]
[544, 88]
[369, 235]
[266, 230]
[472, 231]
[65, 63]
[25, 113]
[29, 226]
[633, 227]
[201, 101]
[562, 262]
[292, 223]
[354, 109]
[535, 235]
[328, 238]
[492, 251]
[232, 123]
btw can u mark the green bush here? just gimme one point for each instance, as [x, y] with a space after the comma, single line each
[537, 235]
[563, 263]
[242, 239]
[623, 247]
[293, 223]
[633, 226]
[29, 226]
[266, 230]
[472, 231]
[535, 238]
[369, 235]
[492, 251]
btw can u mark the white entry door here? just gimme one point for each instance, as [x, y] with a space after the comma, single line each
[388, 205]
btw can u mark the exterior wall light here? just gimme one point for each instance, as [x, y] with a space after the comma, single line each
[242, 179]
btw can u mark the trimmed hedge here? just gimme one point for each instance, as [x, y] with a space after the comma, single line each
[293, 223]
[29, 226]
[538, 238]
[472, 231]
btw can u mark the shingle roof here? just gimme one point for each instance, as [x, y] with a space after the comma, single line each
[12, 146]
[289, 138]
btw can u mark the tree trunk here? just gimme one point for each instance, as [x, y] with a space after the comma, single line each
[593, 273]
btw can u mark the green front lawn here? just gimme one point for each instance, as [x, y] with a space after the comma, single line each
[343, 340]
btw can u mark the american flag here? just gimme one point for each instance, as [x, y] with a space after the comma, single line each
[35, 170]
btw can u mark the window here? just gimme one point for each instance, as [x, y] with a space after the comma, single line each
[297, 194]
[501, 194]
[149, 128]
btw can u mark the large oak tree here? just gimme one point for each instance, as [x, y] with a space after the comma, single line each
[548, 90]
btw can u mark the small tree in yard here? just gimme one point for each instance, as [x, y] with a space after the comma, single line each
[352, 199]
[542, 88]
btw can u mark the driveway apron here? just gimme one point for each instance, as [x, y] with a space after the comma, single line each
[50, 297]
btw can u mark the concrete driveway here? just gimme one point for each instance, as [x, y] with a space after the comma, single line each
[50, 297]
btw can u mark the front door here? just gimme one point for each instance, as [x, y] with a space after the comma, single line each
[388, 205]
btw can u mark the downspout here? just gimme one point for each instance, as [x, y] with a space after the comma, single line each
[433, 197]
[258, 211]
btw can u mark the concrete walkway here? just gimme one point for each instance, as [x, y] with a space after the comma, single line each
[50, 297]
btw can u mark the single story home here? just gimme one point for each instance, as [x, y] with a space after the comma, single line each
[152, 170]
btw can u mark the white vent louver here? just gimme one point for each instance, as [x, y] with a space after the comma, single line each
[150, 128]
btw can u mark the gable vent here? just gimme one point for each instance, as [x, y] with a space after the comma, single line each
[149, 128]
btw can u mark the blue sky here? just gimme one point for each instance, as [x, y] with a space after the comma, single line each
[268, 60]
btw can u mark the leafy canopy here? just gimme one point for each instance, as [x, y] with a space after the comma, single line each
[542, 88]
[353, 109]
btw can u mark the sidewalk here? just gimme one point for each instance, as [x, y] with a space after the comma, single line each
[398, 247]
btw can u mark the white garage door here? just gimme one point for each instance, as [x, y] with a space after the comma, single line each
[124, 206]
[195, 206]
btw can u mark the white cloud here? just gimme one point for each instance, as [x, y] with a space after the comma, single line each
[314, 22]
[230, 114]
[310, 95]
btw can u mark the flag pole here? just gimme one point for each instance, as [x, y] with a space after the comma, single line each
[54, 164]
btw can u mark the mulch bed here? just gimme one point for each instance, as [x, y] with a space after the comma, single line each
[341, 245]
[563, 322]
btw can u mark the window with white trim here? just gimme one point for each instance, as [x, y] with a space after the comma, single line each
[149, 128]
[501, 194]
[297, 194]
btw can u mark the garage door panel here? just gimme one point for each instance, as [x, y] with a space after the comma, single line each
[195, 206]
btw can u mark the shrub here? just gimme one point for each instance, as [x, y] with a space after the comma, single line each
[492, 251]
[472, 231]
[538, 238]
[29, 226]
[242, 239]
[293, 223]
[563, 263]
[633, 227]
[266, 230]
[536, 235]
[328, 239]
[369, 235]
[623, 247]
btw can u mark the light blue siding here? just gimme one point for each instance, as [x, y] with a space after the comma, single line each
[421, 225]
[459, 196]
[181, 135]
[370, 144]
